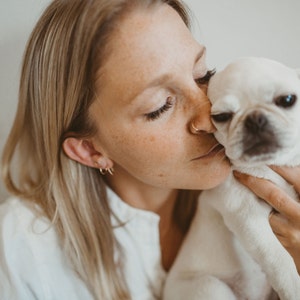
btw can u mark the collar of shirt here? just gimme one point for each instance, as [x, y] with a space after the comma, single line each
[137, 231]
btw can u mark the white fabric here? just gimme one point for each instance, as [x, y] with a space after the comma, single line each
[32, 265]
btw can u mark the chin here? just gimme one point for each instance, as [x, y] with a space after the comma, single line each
[209, 179]
[217, 175]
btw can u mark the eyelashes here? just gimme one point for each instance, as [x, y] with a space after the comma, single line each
[205, 79]
[171, 100]
[157, 113]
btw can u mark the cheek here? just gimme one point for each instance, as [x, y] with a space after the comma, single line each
[151, 147]
[145, 151]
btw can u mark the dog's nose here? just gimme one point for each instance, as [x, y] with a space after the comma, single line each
[256, 122]
[258, 135]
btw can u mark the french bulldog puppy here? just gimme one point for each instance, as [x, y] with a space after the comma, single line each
[230, 251]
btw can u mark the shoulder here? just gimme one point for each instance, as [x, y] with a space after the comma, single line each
[16, 211]
[26, 237]
[32, 262]
[21, 242]
[21, 227]
[19, 222]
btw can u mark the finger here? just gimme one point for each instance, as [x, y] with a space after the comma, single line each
[286, 232]
[272, 194]
[290, 174]
[279, 224]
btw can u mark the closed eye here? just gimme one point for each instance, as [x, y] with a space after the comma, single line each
[157, 113]
[205, 79]
[222, 117]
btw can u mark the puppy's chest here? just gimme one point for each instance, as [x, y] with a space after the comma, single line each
[233, 196]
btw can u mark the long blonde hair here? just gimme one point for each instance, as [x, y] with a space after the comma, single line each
[57, 86]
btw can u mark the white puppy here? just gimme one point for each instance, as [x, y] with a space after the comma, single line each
[230, 251]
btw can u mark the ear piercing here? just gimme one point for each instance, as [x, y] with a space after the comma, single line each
[194, 128]
[103, 171]
[107, 170]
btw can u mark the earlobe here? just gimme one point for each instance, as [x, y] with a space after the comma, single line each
[84, 152]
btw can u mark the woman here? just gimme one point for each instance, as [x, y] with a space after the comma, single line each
[118, 87]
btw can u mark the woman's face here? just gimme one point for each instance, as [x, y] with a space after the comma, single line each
[147, 102]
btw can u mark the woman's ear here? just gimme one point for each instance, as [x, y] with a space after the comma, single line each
[84, 152]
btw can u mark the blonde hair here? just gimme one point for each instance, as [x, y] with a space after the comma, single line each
[57, 86]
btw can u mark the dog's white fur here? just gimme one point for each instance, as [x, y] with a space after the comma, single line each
[230, 251]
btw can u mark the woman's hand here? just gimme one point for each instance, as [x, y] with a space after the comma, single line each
[285, 218]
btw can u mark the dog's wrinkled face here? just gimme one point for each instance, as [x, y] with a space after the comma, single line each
[256, 110]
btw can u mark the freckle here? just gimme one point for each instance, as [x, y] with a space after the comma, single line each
[160, 175]
[152, 138]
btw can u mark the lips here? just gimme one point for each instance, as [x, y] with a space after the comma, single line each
[215, 149]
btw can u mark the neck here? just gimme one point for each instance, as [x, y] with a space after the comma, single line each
[158, 200]
[143, 196]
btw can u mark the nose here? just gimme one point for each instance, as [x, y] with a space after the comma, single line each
[201, 121]
[256, 122]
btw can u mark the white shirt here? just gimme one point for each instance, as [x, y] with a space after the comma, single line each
[33, 266]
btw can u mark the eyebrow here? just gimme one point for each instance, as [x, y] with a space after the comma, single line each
[165, 77]
[159, 80]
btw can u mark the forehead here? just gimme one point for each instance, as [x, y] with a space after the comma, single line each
[147, 42]
[146, 32]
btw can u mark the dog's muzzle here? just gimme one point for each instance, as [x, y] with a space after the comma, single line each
[258, 135]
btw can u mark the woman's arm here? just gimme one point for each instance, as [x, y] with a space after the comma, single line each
[285, 218]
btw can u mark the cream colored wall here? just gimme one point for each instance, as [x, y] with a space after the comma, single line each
[234, 28]
[229, 29]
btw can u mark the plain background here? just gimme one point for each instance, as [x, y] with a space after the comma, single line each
[228, 28]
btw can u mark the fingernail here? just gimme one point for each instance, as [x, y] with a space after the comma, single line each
[272, 213]
[237, 174]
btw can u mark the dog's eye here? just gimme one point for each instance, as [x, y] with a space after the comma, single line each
[222, 118]
[286, 101]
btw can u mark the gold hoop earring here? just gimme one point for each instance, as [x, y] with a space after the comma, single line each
[107, 170]
[194, 128]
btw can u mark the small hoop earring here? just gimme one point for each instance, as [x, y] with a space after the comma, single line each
[107, 170]
[195, 129]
